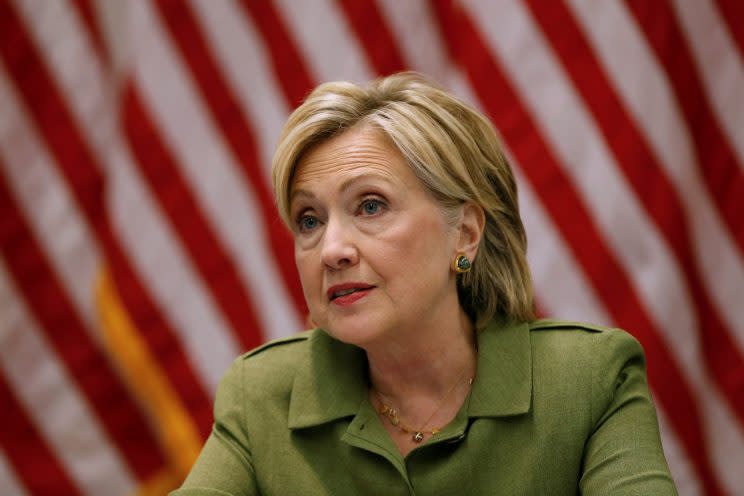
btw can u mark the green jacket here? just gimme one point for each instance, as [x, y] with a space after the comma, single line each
[556, 408]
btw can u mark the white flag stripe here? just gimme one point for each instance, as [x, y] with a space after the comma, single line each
[724, 434]
[212, 173]
[420, 43]
[246, 64]
[166, 270]
[659, 283]
[169, 84]
[650, 100]
[66, 49]
[720, 66]
[422, 47]
[46, 391]
[551, 260]
[62, 41]
[48, 205]
[113, 21]
[9, 484]
[647, 261]
[682, 468]
[316, 43]
[162, 262]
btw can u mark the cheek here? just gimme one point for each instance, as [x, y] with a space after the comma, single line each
[308, 270]
[418, 252]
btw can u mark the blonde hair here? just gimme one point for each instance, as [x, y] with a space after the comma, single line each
[456, 154]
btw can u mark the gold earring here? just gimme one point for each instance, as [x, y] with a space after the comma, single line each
[461, 264]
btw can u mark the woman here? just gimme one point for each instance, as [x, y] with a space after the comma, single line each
[427, 373]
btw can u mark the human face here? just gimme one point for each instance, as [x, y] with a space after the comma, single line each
[372, 247]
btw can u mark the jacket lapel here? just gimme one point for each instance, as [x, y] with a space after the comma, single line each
[503, 384]
[331, 382]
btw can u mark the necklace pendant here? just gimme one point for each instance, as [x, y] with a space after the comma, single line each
[417, 437]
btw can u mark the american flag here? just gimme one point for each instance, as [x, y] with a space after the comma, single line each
[141, 252]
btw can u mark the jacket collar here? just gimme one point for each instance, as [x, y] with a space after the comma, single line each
[331, 380]
[503, 384]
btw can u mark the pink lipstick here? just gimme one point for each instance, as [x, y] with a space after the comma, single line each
[347, 293]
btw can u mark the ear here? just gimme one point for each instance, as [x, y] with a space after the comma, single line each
[470, 229]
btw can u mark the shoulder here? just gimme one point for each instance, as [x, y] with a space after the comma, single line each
[276, 358]
[594, 360]
[567, 326]
[590, 386]
[268, 369]
[278, 349]
[580, 339]
[592, 351]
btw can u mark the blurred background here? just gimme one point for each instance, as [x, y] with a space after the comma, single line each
[140, 250]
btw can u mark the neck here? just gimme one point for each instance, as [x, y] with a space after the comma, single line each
[422, 366]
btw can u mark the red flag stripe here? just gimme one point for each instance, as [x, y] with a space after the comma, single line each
[716, 162]
[290, 69]
[551, 259]
[160, 337]
[421, 46]
[53, 400]
[652, 187]
[235, 211]
[502, 103]
[303, 18]
[662, 247]
[88, 13]
[646, 92]
[629, 313]
[733, 13]
[371, 29]
[41, 97]
[29, 454]
[8, 478]
[65, 330]
[75, 161]
[157, 331]
[159, 168]
[223, 104]
[719, 66]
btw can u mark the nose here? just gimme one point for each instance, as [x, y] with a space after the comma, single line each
[339, 250]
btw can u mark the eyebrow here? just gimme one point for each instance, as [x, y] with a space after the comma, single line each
[345, 185]
[300, 192]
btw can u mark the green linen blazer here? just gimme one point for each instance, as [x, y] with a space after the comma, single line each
[556, 408]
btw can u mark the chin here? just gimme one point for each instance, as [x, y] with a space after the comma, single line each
[354, 331]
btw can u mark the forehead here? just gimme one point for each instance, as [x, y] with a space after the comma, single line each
[356, 152]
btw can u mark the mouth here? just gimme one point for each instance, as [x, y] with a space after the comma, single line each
[342, 290]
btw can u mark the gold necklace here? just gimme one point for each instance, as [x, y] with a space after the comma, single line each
[417, 435]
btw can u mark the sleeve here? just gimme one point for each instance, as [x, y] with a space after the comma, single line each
[224, 466]
[623, 455]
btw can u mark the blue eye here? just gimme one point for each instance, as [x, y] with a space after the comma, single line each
[307, 223]
[370, 207]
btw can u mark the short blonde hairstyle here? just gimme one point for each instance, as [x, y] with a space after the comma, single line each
[457, 155]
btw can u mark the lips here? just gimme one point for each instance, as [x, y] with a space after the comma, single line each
[343, 290]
